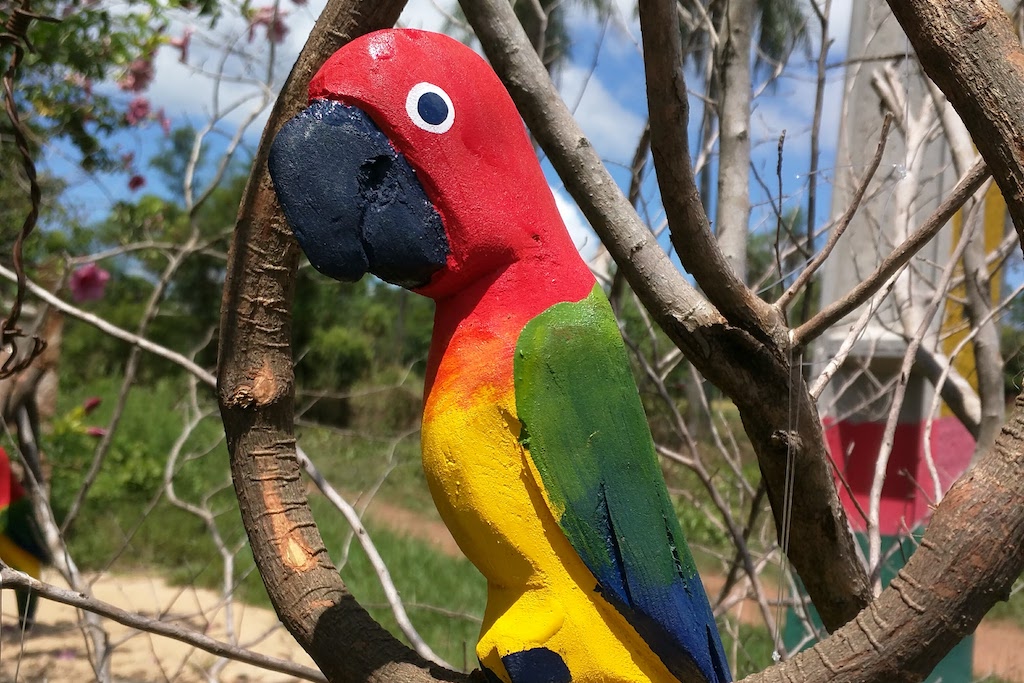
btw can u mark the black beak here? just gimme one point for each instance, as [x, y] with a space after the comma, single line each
[353, 201]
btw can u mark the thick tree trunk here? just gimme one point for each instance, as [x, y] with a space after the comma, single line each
[256, 392]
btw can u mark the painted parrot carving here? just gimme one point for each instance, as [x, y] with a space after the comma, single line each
[21, 545]
[412, 163]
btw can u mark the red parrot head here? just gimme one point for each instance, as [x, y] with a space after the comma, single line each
[412, 163]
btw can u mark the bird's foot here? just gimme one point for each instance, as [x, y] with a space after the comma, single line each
[538, 665]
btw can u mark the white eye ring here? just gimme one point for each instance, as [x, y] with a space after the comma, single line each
[433, 114]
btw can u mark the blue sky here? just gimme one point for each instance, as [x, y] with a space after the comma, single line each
[611, 105]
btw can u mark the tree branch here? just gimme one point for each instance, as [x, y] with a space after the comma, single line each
[835, 311]
[256, 394]
[843, 223]
[696, 247]
[749, 366]
[111, 329]
[10, 578]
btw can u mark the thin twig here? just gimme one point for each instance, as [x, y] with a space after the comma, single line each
[383, 575]
[823, 15]
[131, 368]
[844, 221]
[846, 347]
[832, 313]
[946, 370]
[106, 327]
[10, 578]
[889, 434]
[779, 221]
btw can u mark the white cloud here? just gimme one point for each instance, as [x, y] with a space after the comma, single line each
[579, 229]
[429, 15]
[610, 126]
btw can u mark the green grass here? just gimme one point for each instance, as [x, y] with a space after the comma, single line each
[749, 651]
[443, 596]
[358, 463]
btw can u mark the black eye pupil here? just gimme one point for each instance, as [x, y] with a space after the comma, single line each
[432, 108]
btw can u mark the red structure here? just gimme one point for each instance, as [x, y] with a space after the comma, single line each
[907, 493]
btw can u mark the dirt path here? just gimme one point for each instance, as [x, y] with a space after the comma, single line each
[56, 650]
[416, 525]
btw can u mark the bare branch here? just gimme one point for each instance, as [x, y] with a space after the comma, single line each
[953, 387]
[696, 247]
[823, 15]
[11, 578]
[837, 360]
[113, 330]
[889, 433]
[835, 311]
[842, 223]
[128, 380]
[379, 568]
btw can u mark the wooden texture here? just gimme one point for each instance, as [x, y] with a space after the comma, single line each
[971, 553]
[520, 329]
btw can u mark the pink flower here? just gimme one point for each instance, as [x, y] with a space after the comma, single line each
[127, 159]
[182, 43]
[88, 283]
[272, 19]
[98, 432]
[138, 76]
[90, 404]
[136, 182]
[138, 109]
[165, 123]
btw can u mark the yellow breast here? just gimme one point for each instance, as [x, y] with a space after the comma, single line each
[540, 594]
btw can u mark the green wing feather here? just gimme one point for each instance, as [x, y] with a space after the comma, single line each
[585, 430]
